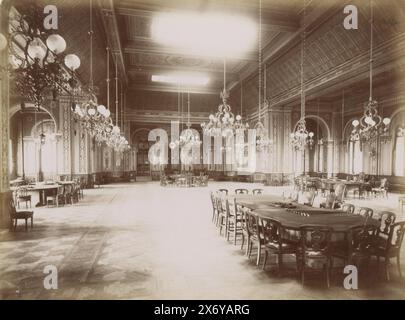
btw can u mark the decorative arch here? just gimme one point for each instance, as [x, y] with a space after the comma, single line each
[322, 122]
[17, 107]
[136, 132]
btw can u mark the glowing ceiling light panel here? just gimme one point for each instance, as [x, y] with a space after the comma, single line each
[206, 34]
[190, 80]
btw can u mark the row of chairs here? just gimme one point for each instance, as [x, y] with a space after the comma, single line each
[242, 191]
[315, 242]
[67, 194]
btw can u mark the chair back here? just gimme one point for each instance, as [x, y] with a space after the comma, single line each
[366, 212]
[316, 240]
[307, 198]
[252, 223]
[241, 191]
[22, 191]
[387, 220]
[361, 239]
[213, 200]
[330, 201]
[396, 236]
[271, 231]
[257, 191]
[383, 183]
[242, 212]
[11, 207]
[340, 192]
[223, 190]
[348, 208]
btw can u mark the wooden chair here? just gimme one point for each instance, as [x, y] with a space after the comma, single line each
[241, 191]
[307, 198]
[387, 220]
[366, 212]
[20, 215]
[57, 198]
[340, 191]
[329, 201]
[23, 196]
[233, 221]
[348, 208]
[257, 191]
[75, 193]
[252, 225]
[68, 193]
[358, 246]
[382, 189]
[274, 243]
[315, 249]
[245, 231]
[222, 213]
[292, 196]
[392, 247]
[214, 207]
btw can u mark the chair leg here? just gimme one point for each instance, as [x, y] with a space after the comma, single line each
[387, 271]
[243, 241]
[247, 247]
[280, 262]
[302, 275]
[265, 259]
[32, 222]
[15, 224]
[399, 265]
[235, 233]
[327, 275]
[259, 253]
[250, 248]
[26, 224]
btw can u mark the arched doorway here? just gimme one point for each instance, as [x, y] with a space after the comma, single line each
[314, 159]
[141, 144]
[32, 144]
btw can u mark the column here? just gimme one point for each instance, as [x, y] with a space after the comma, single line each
[329, 157]
[5, 193]
[65, 166]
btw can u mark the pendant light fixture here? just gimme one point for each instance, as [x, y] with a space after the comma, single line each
[301, 137]
[93, 117]
[224, 121]
[371, 125]
[262, 139]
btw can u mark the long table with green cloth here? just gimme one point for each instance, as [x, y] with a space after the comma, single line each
[277, 208]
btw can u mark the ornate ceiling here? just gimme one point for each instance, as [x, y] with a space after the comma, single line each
[128, 27]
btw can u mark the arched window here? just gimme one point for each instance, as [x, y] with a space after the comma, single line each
[399, 153]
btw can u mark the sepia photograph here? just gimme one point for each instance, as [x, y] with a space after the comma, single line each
[220, 152]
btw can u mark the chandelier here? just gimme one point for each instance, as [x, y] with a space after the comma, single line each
[223, 121]
[301, 138]
[371, 126]
[187, 136]
[36, 61]
[116, 140]
[262, 137]
[94, 118]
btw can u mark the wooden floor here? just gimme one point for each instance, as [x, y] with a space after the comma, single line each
[143, 241]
